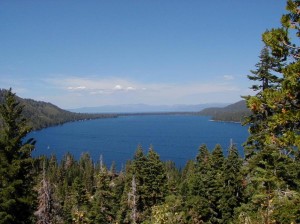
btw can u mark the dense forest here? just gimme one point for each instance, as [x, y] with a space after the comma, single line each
[214, 187]
[41, 114]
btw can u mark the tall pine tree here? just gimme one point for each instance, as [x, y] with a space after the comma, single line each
[232, 190]
[198, 203]
[274, 140]
[16, 164]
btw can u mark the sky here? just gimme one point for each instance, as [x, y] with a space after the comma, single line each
[76, 53]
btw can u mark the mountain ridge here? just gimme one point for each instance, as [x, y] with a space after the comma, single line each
[145, 108]
[235, 112]
[42, 114]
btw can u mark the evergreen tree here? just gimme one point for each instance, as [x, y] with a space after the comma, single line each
[48, 208]
[86, 168]
[267, 82]
[139, 172]
[150, 186]
[198, 205]
[274, 139]
[173, 177]
[187, 176]
[156, 180]
[16, 164]
[232, 189]
[102, 210]
[215, 184]
[263, 74]
[124, 214]
[151, 181]
[79, 202]
[281, 126]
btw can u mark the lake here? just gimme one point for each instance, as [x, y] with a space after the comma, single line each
[174, 137]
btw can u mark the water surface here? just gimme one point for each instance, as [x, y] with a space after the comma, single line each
[174, 137]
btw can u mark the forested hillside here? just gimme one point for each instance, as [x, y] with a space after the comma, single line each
[41, 114]
[235, 112]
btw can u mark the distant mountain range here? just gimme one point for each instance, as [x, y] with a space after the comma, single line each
[41, 114]
[144, 108]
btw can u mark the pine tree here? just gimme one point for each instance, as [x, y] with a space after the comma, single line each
[102, 210]
[263, 74]
[187, 176]
[150, 186]
[215, 184]
[151, 181]
[198, 203]
[274, 139]
[139, 172]
[267, 82]
[79, 202]
[16, 164]
[155, 180]
[48, 208]
[173, 178]
[124, 215]
[283, 124]
[86, 168]
[232, 189]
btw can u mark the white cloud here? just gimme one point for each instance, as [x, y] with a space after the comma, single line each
[228, 77]
[118, 87]
[76, 88]
[102, 91]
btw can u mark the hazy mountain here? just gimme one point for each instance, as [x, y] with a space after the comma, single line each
[41, 114]
[144, 108]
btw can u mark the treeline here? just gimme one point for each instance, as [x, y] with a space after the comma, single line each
[208, 189]
[42, 115]
[236, 112]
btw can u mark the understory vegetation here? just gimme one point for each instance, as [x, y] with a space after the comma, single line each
[215, 187]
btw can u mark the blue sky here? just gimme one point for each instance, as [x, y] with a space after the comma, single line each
[92, 53]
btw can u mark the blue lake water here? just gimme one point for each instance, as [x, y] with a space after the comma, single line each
[174, 137]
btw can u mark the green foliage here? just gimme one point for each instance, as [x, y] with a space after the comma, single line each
[173, 178]
[171, 211]
[216, 186]
[16, 164]
[263, 73]
[104, 199]
[150, 183]
[232, 191]
[273, 146]
[141, 193]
